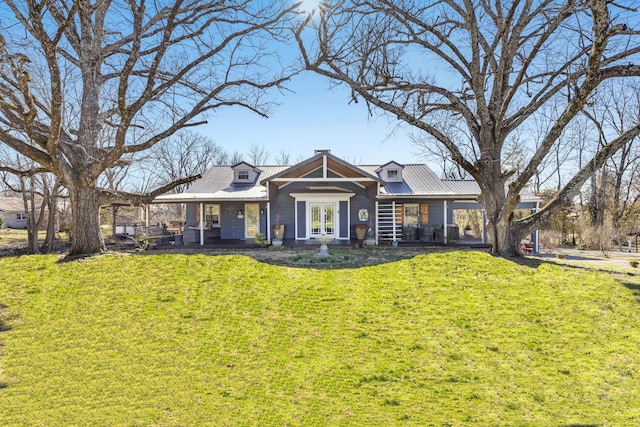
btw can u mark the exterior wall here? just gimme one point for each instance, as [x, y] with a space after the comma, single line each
[10, 220]
[231, 227]
[283, 206]
[361, 201]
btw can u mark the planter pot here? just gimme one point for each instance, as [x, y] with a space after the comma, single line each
[278, 231]
[370, 241]
[468, 232]
[276, 242]
[361, 231]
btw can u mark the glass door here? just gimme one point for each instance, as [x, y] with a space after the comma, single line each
[251, 220]
[323, 217]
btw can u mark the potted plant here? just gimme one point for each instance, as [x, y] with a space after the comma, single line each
[278, 229]
[467, 230]
[361, 231]
[370, 240]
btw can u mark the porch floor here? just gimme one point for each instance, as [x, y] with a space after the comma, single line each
[465, 241]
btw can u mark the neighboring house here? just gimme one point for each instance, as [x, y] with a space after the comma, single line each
[327, 195]
[12, 212]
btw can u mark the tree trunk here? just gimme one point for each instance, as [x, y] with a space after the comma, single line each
[86, 235]
[32, 224]
[504, 234]
[504, 239]
[51, 221]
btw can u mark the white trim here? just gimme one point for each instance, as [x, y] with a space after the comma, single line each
[335, 198]
[324, 179]
[336, 216]
[322, 196]
[295, 219]
[324, 167]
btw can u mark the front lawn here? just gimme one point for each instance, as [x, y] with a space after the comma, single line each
[457, 338]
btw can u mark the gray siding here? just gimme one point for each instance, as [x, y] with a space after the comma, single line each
[360, 201]
[344, 219]
[302, 220]
[231, 227]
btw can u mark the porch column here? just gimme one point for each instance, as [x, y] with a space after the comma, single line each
[201, 223]
[268, 221]
[377, 223]
[446, 221]
[146, 215]
[483, 229]
[393, 208]
[536, 248]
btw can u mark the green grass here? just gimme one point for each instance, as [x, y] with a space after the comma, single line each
[458, 338]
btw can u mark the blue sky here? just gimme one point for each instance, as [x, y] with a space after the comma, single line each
[315, 116]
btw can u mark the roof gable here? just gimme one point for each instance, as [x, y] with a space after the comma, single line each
[324, 162]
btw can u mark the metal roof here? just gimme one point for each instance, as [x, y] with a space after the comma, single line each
[418, 180]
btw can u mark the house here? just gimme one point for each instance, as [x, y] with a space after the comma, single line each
[325, 195]
[12, 212]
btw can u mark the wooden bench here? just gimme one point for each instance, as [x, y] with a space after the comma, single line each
[146, 235]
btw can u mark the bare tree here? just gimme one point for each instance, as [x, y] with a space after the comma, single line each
[487, 67]
[283, 158]
[258, 154]
[40, 192]
[611, 188]
[138, 70]
[186, 153]
[235, 158]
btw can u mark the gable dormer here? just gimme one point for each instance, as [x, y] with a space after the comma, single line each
[244, 173]
[390, 172]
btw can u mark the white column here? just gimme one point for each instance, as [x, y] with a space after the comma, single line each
[377, 223]
[446, 221]
[483, 230]
[537, 239]
[202, 223]
[268, 221]
[393, 209]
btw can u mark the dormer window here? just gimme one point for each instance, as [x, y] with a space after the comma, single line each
[390, 172]
[244, 173]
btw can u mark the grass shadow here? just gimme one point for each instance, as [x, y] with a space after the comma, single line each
[339, 258]
[628, 279]
[4, 315]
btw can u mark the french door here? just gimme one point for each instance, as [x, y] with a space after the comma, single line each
[322, 218]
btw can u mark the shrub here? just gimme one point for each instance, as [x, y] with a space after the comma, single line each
[261, 239]
[599, 237]
[633, 263]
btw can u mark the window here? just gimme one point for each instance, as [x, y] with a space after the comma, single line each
[392, 174]
[411, 211]
[243, 174]
[21, 216]
[212, 215]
